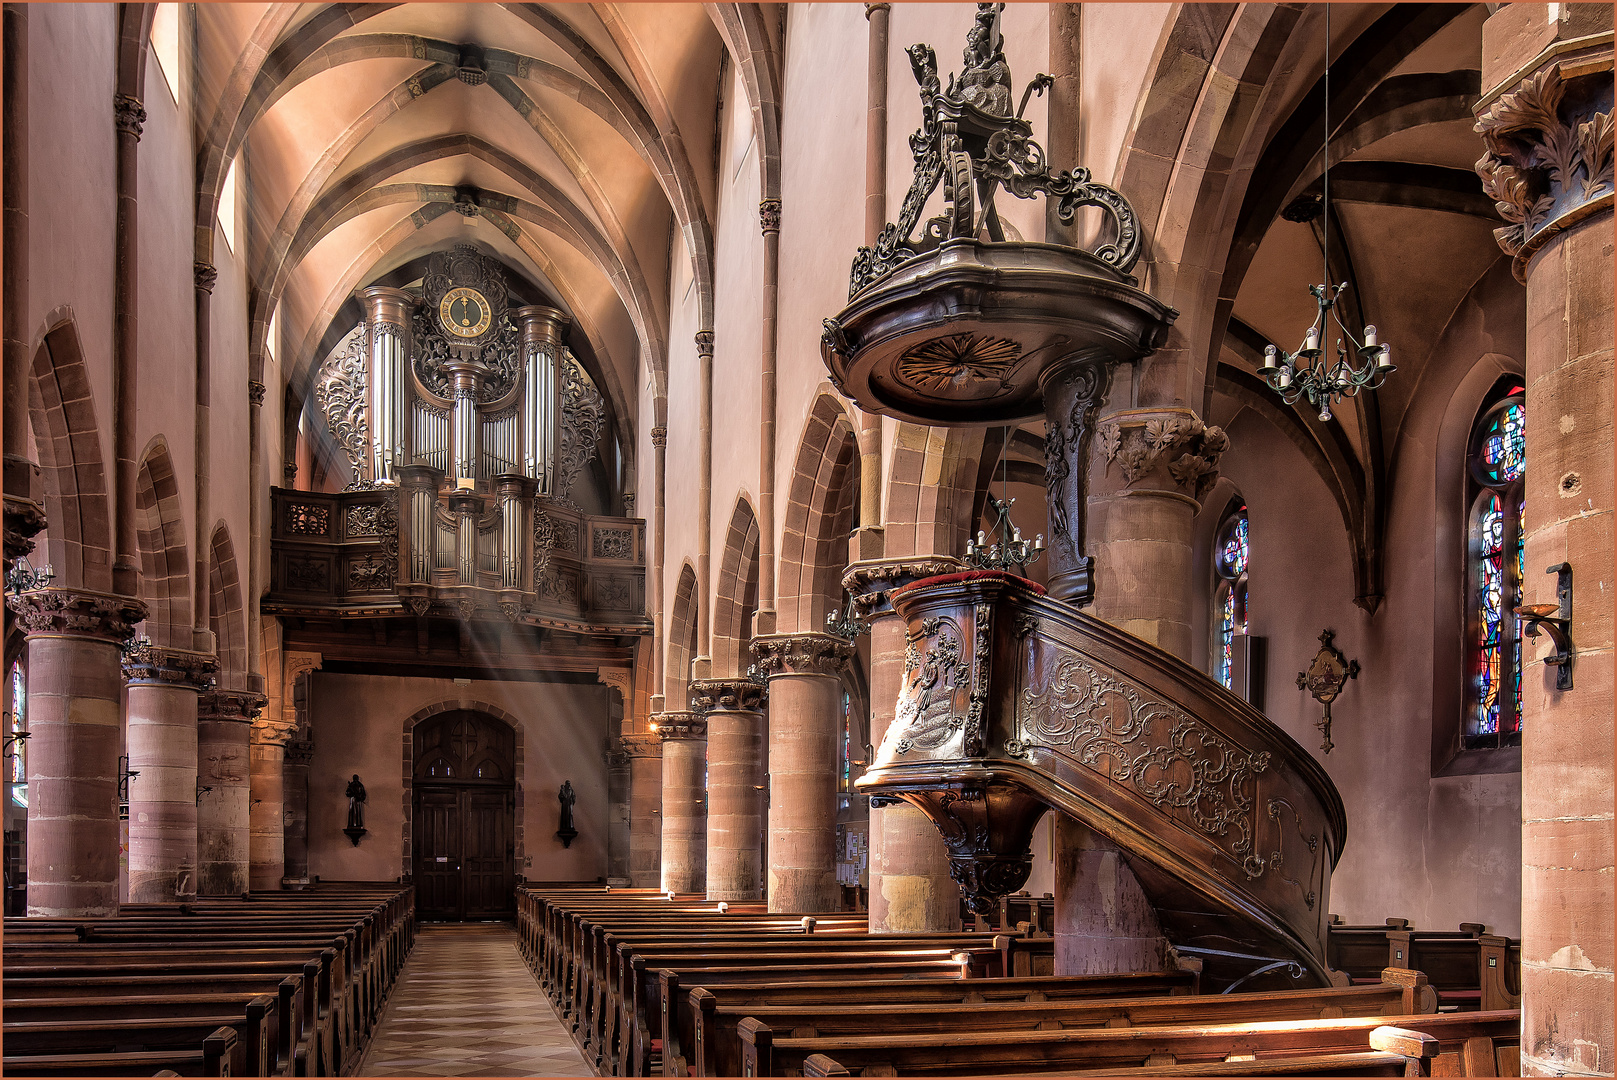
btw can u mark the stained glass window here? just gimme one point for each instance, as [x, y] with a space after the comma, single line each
[1494, 575]
[18, 775]
[1230, 563]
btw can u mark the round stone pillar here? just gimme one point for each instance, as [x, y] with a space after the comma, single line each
[162, 745]
[684, 840]
[224, 777]
[910, 887]
[266, 814]
[733, 709]
[295, 796]
[617, 815]
[1545, 119]
[1151, 468]
[805, 734]
[74, 690]
[645, 753]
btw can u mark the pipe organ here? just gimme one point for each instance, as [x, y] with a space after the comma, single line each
[465, 425]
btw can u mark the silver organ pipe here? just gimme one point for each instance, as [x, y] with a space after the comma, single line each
[386, 316]
[422, 533]
[431, 436]
[468, 547]
[542, 331]
[500, 438]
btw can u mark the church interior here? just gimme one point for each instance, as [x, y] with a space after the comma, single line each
[808, 539]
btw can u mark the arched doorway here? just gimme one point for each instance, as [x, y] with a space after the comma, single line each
[465, 817]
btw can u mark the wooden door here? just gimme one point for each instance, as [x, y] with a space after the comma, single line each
[464, 853]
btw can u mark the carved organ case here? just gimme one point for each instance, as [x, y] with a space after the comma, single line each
[466, 425]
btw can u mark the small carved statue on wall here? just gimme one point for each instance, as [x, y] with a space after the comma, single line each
[566, 797]
[356, 803]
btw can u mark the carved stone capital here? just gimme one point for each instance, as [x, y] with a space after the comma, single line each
[173, 667]
[1548, 163]
[289, 473]
[619, 679]
[205, 275]
[256, 391]
[769, 215]
[77, 613]
[628, 504]
[726, 695]
[871, 9]
[300, 752]
[239, 705]
[812, 653]
[1165, 449]
[679, 725]
[24, 520]
[704, 343]
[265, 733]
[128, 114]
[870, 582]
[659, 437]
[648, 745]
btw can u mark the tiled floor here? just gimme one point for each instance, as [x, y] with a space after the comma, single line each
[466, 1005]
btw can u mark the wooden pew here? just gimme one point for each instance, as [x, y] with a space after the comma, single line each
[707, 1015]
[211, 1058]
[1490, 1047]
[1369, 1063]
[250, 1056]
[1501, 973]
[1452, 960]
[1361, 951]
[1141, 1051]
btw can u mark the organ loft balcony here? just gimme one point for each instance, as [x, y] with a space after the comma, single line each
[473, 437]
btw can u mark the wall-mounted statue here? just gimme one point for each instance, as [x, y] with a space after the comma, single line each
[356, 810]
[566, 797]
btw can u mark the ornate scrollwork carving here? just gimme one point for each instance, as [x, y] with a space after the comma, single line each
[306, 575]
[544, 539]
[363, 519]
[1277, 858]
[925, 717]
[340, 393]
[78, 613]
[372, 573]
[306, 519]
[612, 544]
[970, 141]
[801, 654]
[1138, 443]
[1173, 760]
[583, 415]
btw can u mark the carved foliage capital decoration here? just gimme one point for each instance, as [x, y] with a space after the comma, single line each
[205, 275]
[239, 705]
[24, 519]
[677, 726]
[704, 343]
[802, 654]
[1549, 155]
[871, 583]
[659, 436]
[1172, 443]
[174, 667]
[300, 751]
[256, 391]
[129, 114]
[76, 613]
[769, 215]
[265, 733]
[726, 695]
[647, 745]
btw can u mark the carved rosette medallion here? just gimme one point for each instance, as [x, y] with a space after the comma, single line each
[1159, 751]
[676, 726]
[802, 654]
[959, 366]
[156, 664]
[641, 746]
[77, 613]
[871, 583]
[242, 706]
[1548, 163]
[726, 695]
[1165, 449]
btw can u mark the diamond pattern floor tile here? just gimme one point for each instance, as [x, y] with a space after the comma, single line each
[466, 1005]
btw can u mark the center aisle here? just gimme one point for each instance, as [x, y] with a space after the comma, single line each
[466, 1005]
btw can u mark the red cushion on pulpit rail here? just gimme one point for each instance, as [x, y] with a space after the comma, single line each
[974, 575]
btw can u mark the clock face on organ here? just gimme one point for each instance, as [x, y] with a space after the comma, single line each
[464, 312]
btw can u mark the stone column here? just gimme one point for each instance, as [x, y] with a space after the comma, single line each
[1151, 469]
[24, 517]
[224, 774]
[910, 886]
[617, 815]
[295, 795]
[805, 726]
[1545, 119]
[733, 708]
[684, 800]
[74, 692]
[645, 753]
[162, 745]
[266, 814]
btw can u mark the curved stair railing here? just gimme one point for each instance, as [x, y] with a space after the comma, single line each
[1014, 703]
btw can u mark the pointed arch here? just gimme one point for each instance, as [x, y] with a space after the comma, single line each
[822, 495]
[67, 442]
[165, 569]
[408, 738]
[931, 489]
[735, 597]
[681, 642]
[226, 617]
